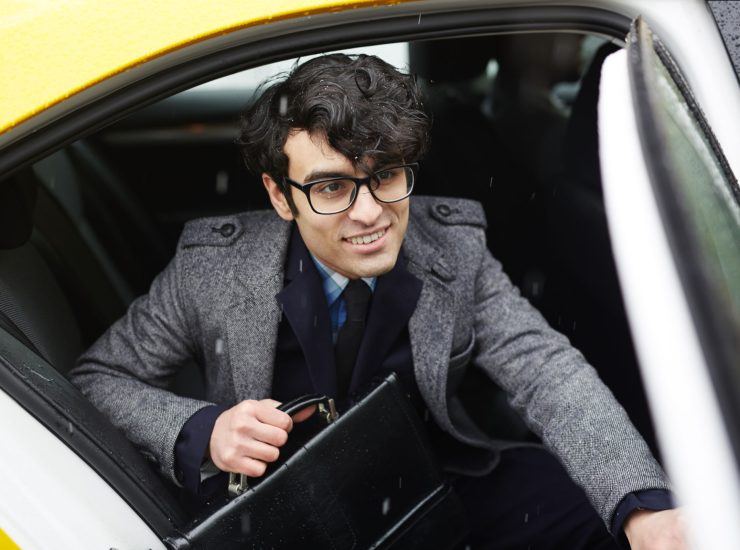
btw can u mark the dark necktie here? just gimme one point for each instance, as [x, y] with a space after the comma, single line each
[356, 296]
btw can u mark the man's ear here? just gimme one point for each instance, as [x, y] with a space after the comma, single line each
[277, 198]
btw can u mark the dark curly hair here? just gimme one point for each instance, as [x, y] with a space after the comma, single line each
[366, 108]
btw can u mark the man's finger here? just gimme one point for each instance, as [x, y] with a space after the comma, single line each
[266, 433]
[261, 451]
[304, 414]
[249, 467]
[268, 414]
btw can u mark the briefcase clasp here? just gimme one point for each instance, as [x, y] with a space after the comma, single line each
[328, 411]
[237, 484]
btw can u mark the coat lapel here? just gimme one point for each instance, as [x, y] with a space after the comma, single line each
[432, 323]
[304, 304]
[253, 317]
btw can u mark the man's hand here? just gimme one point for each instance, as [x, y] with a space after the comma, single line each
[651, 530]
[248, 436]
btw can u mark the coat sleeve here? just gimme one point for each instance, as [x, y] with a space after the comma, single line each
[126, 372]
[559, 395]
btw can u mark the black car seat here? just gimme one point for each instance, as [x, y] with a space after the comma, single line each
[79, 260]
[72, 249]
[583, 298]
[497, 139]
[117, 227]
[58, 286]
[32, 304]
[448, 72]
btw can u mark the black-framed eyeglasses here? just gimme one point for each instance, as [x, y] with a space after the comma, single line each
[337, 194]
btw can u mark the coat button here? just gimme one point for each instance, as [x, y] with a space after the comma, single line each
[443, 210]
[226, 230]
[442, 270]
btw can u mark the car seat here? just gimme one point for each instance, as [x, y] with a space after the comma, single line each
[32, 303]
[493, 142]
[114, 224]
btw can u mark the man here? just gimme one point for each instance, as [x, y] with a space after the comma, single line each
[270, 304]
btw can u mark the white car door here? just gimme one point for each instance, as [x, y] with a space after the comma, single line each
[53, 499]
[674, 218]
[69, 479]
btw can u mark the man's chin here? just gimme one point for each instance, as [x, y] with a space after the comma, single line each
[373, 268]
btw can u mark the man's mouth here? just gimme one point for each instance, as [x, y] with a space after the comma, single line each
[366, 239]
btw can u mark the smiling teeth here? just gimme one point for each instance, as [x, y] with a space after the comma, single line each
[366, 239]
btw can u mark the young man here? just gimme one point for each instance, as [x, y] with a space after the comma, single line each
[348, 279]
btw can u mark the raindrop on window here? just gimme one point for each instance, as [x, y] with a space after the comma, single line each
[386, 506]
[222, 182]
[283, 105]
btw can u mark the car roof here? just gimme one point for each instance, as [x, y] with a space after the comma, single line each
[66, 47]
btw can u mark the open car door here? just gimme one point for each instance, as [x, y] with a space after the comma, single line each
[674, 219]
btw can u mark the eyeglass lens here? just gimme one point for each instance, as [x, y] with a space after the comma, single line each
[387, 185]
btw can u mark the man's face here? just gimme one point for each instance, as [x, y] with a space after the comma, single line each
[330, 237]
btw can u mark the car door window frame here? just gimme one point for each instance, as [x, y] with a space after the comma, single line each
[716, 322]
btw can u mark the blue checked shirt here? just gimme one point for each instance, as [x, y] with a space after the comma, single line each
[334, 284]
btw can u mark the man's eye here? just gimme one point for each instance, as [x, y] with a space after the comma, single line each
[331, 187]
[387, 175]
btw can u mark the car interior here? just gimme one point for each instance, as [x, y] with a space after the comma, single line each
[85, 230]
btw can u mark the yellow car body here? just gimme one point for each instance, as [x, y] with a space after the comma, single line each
[54, 50]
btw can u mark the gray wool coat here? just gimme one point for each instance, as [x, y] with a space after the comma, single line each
[215, 304]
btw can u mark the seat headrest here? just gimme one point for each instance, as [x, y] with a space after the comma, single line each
[581, 148]
[17, 205]
[451, 60]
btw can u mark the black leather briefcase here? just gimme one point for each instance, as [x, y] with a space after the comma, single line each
[365, 480]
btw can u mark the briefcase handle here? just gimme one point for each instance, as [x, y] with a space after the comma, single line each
[327, 409]
[292, 407]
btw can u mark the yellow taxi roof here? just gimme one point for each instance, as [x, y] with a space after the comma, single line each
[53, 49]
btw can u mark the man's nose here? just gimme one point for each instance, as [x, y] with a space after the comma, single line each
[365, 209]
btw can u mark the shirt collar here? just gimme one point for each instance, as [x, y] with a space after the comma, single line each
[334, 283]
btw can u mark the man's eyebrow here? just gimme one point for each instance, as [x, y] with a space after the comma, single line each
[324, 174]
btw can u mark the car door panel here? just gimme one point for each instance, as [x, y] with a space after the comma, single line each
[66, 425]
[669, 302]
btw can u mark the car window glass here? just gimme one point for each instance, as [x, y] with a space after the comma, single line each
[710, 202]
[395, 54]
[698, 196]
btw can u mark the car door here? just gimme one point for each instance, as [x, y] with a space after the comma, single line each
[69, 480]
[674, 218]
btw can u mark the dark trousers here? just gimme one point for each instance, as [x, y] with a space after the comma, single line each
[528, 502]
